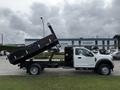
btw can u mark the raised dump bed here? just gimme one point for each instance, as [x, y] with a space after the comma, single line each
[33, 49]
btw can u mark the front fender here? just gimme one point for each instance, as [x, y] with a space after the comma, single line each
[104, 61]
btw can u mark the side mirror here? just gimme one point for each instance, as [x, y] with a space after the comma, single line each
[90, 54]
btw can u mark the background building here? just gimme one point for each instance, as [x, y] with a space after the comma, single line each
[101, 43]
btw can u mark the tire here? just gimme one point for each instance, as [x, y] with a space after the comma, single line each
[42, 69]
[104, 69]
[34, 69]
[77, 68]
[95, 70]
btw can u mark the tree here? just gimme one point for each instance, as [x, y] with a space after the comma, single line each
[117, 37]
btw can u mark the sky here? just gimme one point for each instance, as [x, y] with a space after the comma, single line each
[20, 19]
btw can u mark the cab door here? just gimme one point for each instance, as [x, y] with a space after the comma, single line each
[84, 58]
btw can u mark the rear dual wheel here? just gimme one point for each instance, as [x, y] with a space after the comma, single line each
[34, 69]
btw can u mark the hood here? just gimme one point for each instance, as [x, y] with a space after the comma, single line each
[101, 56]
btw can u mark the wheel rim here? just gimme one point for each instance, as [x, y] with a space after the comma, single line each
[34, 70]
[105, 70]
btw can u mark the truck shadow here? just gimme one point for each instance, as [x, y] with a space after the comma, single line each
[66, 72]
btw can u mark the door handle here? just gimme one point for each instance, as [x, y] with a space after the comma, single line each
[79, 57]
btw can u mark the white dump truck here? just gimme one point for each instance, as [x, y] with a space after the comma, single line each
[74, 57]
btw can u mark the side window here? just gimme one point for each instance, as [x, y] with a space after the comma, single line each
[77, 51]
[84, 52]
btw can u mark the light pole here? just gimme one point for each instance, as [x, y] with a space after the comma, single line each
[43, 26]
[43, 30]
[2, 38]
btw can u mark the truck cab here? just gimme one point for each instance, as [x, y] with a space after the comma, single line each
[83, 58]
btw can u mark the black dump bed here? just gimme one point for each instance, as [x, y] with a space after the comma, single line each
[33, 49]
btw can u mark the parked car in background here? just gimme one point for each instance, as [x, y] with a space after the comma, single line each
[104, 51]
[116, 55]
[101, 51]
[4, 53]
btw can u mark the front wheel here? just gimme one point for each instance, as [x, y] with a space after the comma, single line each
[104, 69]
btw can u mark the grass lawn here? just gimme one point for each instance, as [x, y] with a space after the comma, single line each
[89, 82]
